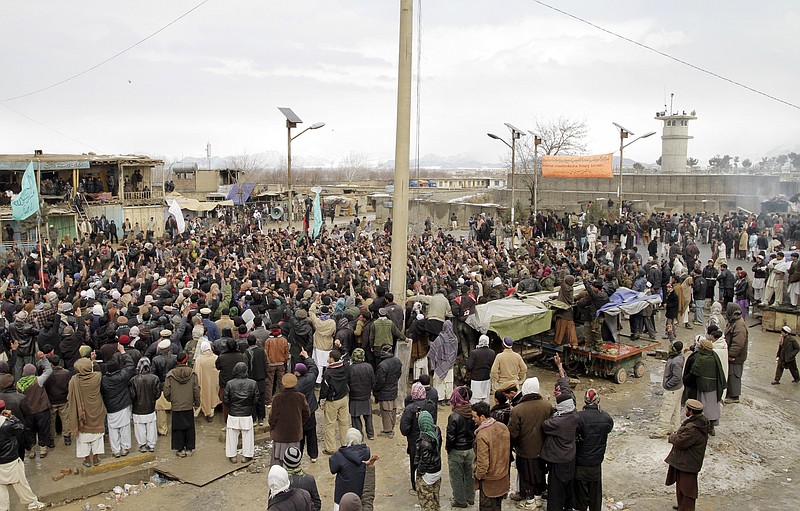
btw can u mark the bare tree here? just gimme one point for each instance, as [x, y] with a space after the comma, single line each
[251, 167]
[353, 167]
[562, 136]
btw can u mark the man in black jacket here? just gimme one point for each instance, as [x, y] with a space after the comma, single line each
[727, 281]
[12, 430]
[479, 366]
[56, 387]
[334, 400]
[241, 396]
[145, 389]
[255, 358]
[699, 285]
[710, 273]
[386, 377]
[594, 425]
[306, 372]
[117, 398]
[225, 364]
[361, 380]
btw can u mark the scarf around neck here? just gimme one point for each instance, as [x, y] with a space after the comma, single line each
[25, 383]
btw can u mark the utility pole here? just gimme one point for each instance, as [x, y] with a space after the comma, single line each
[401, 157]
[397, 284]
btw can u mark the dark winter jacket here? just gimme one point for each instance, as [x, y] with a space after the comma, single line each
[334, 382]
[57, 385]
[241, 393]
[787, 349]
[255, 358]
[24, 334]
[460, 432]
[293, 499]
[309, 484]
[386, 378]
[11, 433]
[479, 363]
[409, 425]
[348, 465]
[672, 305]
[307, 382]
[163, 364]
[736, 335]
[525, 425]
[594, 425]
[689, 444]
[361, 380]
[559, 438]
[428, 453]
[15, 401]
[225, 364]
[114, 386]
[145, 389]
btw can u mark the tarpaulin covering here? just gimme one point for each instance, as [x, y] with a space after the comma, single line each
[194, 204]
[510, 317]
[628, 301]
[239, 192]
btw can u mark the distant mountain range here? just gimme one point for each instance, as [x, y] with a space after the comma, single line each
[274, 159]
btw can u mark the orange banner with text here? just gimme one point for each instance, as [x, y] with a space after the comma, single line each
[596, 165]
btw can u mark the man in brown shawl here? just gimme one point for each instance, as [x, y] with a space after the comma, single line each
[87, 413]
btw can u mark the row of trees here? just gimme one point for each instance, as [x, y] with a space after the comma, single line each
[728, 163]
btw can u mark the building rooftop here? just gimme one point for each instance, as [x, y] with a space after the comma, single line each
[90, 157]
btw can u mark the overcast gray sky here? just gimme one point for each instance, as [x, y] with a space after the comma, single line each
[219, 73]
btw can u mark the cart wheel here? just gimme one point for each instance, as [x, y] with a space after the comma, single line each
[621, 375]
[638, 369]
[572, 365]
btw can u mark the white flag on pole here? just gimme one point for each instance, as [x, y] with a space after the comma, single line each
[175, 210]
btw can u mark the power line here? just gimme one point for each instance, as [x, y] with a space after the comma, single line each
[667, 55]
[46, 126]
[109, 59]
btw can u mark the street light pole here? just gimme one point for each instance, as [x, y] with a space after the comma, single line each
[623, 134]
[290, 200]
[537, 140]
[516, 134]
[292, 120]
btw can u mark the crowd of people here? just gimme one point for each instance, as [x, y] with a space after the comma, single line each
[270, 326]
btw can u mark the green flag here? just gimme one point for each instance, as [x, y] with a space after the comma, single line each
[27, 202]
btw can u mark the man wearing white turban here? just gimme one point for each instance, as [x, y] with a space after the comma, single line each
[479, 367]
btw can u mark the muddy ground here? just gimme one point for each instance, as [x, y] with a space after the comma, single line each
[752, 463]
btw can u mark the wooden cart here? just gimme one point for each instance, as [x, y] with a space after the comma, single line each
[628, 358]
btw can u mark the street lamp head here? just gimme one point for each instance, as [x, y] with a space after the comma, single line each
[492, 135]
[648, 134]
[317, 125]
